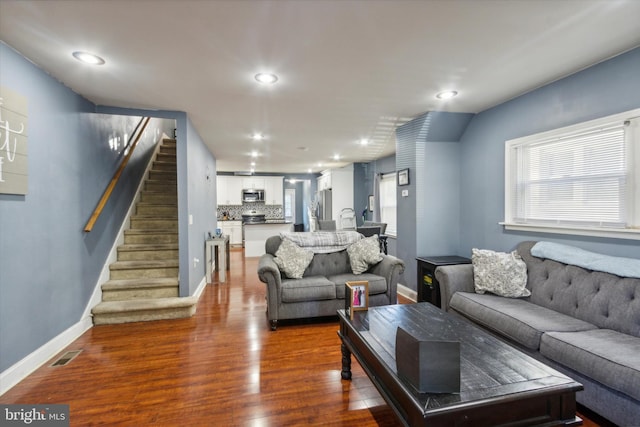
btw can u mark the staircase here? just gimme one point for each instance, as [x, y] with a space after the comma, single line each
[143, 281]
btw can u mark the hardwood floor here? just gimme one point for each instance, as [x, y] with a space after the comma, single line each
[222, 367]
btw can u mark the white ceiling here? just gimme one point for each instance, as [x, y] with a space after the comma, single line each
[347, 69]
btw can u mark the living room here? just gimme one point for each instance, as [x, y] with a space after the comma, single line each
[49, 268]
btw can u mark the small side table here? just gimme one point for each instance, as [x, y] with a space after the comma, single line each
[219, 255]
[428, 286]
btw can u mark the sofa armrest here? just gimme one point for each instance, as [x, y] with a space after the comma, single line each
[452, 279]
[390, 268]
[269, 273]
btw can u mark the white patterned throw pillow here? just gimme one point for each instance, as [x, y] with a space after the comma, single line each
[292, 259]
[364, 253]
[500, 273]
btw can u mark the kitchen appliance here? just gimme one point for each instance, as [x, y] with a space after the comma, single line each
[252, 196]
[253, 217]
[324, 205]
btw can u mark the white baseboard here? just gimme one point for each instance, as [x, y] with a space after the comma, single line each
[21, 369]
[200, 288]
[407, 292]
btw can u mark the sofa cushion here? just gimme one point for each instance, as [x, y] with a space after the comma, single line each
[311, 288]
[377, 284]
[500, 273]
[607, 356]
[363, 253]
[329, 264]
[517, 319]
[292, 259]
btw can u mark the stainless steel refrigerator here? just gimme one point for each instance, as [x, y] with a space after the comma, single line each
[324, 205]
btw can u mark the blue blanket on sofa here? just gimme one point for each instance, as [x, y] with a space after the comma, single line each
[623, 267]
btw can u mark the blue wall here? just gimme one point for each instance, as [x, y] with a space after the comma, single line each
[48, 265]
[604, 89]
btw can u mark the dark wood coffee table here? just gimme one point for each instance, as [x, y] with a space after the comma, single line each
[499, 385]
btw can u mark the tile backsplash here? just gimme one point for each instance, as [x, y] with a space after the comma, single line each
[235, 211]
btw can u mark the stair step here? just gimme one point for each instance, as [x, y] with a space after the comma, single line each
[142, 310]
[161, 187]
[166, 176]
[150, 236]
[162, 198]
[144, 269]
[164, 166]
[154, 223]
[150, 252]
[154, 209]
[126, 289]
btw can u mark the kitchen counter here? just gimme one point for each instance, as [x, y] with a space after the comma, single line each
[256, 234]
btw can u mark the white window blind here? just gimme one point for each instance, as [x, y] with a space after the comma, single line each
[581, 176]
[388, 202]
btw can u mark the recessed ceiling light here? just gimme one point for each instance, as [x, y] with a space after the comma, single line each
[254, 154]
[266, 78]
[336, 157]
[447, 94]
[308, 170]
[253, 164]
[88, 58]
[257, 136]
[364, 141]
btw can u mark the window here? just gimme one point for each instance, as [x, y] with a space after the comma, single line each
[580, 179]
[388, 202]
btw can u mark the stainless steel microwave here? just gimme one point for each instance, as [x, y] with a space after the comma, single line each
[251, 196]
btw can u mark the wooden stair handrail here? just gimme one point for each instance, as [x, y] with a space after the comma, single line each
[107, 193]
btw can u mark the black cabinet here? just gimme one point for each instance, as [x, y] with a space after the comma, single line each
[428, 286]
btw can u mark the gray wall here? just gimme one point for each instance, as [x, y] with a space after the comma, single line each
[607, 88]
[48, 265]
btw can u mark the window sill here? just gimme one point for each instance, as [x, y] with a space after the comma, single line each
[622, 233]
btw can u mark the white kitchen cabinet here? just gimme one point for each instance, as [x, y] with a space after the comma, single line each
[324, 181]
[253, 183]
[273, 190]
[229, 190]
[233, 229]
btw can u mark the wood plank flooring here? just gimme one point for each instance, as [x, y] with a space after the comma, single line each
[222, 367]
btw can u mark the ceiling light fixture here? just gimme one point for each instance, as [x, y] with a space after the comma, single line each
[364, 141]
[266, 78]
[254, 154]
[336, 157]
[447, 94]
[88, 58]
[257, 136]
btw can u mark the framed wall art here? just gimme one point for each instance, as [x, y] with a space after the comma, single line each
[403, 177]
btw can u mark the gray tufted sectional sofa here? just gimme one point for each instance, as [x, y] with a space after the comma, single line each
[320, 292]
[583, 323]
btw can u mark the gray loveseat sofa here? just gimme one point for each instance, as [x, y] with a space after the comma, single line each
[583, 323]
[320, 292]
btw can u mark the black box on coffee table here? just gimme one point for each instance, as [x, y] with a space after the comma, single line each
[428, 366]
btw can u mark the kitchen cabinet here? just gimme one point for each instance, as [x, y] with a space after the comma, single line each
[324, 181]
[233, 229]
[273, 190]
[253, 183]
[228, 190]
